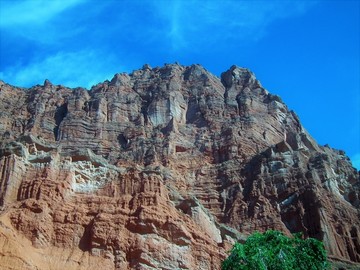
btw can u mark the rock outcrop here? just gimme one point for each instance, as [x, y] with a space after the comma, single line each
[163, 168]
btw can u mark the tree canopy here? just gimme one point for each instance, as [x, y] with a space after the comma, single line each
[273, 250]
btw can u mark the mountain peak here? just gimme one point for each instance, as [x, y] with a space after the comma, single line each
[238, 75]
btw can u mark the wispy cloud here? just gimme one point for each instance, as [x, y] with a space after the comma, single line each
[73, 69]
[15, 13]
[220, 21]
[74, 39]
[177, 24]
[41, 21]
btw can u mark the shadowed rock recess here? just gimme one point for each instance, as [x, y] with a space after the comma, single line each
[163, 168]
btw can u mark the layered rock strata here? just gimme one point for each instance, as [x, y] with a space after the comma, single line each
[163, 168]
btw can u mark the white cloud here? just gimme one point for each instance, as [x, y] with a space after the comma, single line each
[17, 13]
[220, 21]
[82, 68]
[170, 25]
[355, 159]
[38, 20]
[177, 24]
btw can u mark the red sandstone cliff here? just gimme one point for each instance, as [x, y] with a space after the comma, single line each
[163, 168]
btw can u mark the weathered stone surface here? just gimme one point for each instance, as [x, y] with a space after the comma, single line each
[163, 168]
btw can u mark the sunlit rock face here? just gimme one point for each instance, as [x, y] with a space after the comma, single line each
[163, 168]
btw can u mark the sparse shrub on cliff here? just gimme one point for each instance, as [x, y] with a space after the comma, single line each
[273, 250]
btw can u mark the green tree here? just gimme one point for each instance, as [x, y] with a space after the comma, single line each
[273, 250]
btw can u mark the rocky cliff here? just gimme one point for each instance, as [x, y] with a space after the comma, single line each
[163, 168]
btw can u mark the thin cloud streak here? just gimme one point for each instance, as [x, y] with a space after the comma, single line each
[175, 25]
[190, 21]
[17, 13]
[41, 22]
[72, 69]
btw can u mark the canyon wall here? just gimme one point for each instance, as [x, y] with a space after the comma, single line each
[163, 168]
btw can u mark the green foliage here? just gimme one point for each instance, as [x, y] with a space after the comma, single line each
[273, 250]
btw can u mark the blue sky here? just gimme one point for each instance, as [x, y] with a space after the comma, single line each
[305, 51]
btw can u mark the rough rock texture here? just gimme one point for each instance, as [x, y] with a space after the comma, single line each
[163, 168]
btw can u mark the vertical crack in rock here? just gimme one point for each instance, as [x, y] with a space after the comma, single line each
[60, 114]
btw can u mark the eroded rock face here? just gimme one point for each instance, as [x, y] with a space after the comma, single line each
[163, 168]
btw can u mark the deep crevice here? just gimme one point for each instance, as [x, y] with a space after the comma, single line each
[60, 114]
[85, 241]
